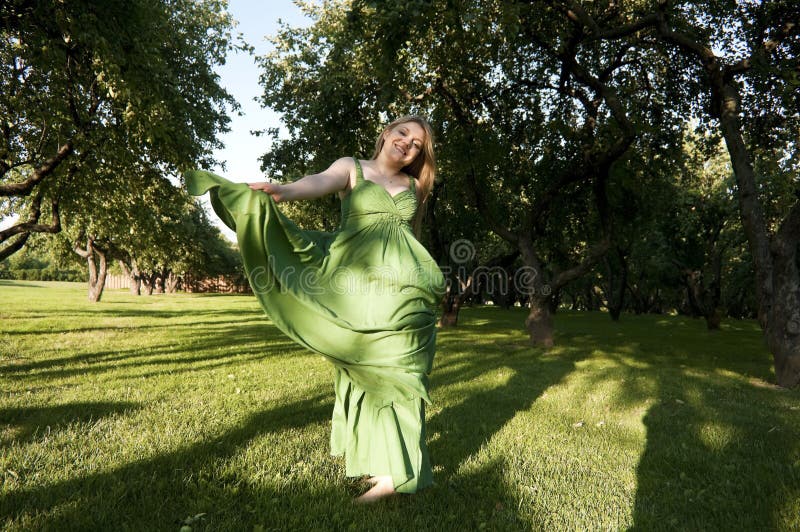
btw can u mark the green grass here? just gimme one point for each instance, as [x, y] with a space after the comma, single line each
[144, 413]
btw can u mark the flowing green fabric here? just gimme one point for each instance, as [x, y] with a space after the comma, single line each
[364, 298]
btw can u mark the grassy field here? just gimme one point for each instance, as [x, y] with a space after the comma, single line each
[153, 413]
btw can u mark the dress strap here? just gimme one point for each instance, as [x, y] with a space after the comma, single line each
[359, 172]
[411, 184]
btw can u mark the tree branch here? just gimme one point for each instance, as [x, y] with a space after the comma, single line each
[686, 43]
[466, 122]
[577, 14]
[32, 225]
[15, 246]
[24, 188]
[593, 255]
[766, 48]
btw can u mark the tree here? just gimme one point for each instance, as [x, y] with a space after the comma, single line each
[748, 81]
[547, 112]
[152, 227]
[541, 108]
[90, 88]
[707, 228]
[741, 59]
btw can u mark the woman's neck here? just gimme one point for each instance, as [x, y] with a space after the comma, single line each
[386, 166]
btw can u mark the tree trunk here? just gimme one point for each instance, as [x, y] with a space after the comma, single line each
[639, 300]
[530, 280]
[96, 287]
[135, 280]
[783, 325]
[454, 298]
[452, 304]
[171, 283]
[615, 296]
[540, 322]
[504, 298]
[777, 280]
[714, 292]
[158, 282]
[783, 321]
[149, 282]
[703, 300]
[589, 296]
[554, 301]
[749, 206]
[693, 281]
[97, 270]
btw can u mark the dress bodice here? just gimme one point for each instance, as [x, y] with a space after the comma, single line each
[368, 203]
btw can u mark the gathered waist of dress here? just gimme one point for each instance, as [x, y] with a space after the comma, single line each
[358, 221]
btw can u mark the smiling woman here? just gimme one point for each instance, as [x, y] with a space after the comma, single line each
[363, 296]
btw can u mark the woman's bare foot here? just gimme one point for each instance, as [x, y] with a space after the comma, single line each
[381, 488]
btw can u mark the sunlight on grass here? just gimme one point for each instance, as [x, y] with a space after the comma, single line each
[143, 412]
[716, 436]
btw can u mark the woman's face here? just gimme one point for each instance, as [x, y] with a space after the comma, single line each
[404, 142]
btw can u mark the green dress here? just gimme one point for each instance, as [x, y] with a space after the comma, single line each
[364, 298]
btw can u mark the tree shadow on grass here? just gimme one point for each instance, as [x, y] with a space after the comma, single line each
[20, 284]
[465, 427]
[719, 455]
[162, 319]
[208, 344]
[462, 427]
[123, 328]
[158, 493]
[25, 422]
[721, 444]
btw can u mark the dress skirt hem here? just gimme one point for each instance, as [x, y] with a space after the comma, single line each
[380, 437]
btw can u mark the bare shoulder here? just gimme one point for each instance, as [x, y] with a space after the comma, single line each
[364, 163]
[342, 166]
[345, 169]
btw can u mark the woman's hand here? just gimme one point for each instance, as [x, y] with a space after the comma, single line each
[273, 189]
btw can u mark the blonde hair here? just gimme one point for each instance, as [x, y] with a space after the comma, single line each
[423, 167]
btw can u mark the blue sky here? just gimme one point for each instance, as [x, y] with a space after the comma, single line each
[257, 20]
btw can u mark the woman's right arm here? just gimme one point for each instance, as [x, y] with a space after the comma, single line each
[334, 179]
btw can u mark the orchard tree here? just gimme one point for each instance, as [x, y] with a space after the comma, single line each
[705, 227]
[88, 89]
[150, 226]
[123, 212]
[738, 65]
[740, 62]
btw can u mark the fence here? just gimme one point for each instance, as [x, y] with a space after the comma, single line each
[221, 284]
[117, 281]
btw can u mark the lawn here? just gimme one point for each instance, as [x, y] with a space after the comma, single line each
[153, 413]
